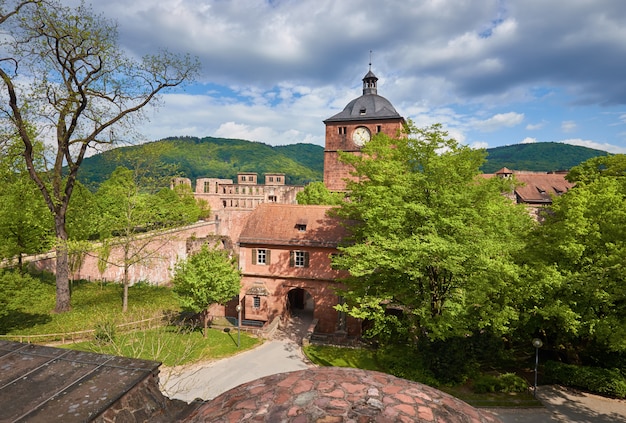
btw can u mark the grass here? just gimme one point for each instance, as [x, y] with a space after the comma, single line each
[170, 345]
[367, 359]
[359, 358]
[98, 306]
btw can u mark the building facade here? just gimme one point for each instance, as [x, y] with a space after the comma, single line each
[285, 256]
[350, 129]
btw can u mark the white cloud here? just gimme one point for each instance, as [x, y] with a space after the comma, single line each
[568, 126]
[499, 121]
[529, 140]
[535, 126]
[596, 145]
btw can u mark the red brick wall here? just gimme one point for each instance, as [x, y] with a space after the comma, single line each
[336, 172]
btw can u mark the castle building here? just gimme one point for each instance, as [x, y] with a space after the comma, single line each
[354, 126]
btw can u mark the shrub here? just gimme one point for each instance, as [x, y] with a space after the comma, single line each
[609, 382]
[105, 332]
[506, 383]
[405, 362]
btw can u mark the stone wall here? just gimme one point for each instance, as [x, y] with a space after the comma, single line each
[145, 403]
[165, 248]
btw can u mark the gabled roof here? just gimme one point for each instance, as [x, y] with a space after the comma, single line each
[291, 224]
[541, 187]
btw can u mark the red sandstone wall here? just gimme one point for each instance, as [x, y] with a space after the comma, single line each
[166, 250]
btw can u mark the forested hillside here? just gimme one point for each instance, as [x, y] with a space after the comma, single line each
[540, 157]
[215, 158]
[301, 163]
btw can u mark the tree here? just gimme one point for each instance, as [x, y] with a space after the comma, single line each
[205, 278]
[25, 224]
[429, 237]
[578, 257]
[134, 222]
[83, 89]
[317, 193]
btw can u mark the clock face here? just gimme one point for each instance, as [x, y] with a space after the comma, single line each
[360, 136]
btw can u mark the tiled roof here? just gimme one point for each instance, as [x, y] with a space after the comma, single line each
[290, 224]
[541, 187]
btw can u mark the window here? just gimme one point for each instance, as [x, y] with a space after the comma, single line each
[343, 130]
[379, 128]
[256, 302]
[272, 198]
[250, 178]
[260, 256]
[271, 178]
[362, 111]
[298, 259]
[301, 227]
[207, 186]
[278, 179]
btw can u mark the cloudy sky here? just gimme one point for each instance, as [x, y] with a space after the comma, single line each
[493, 72]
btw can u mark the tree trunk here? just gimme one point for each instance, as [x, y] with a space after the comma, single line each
[206, 322]
[62, 269]
[125, 296]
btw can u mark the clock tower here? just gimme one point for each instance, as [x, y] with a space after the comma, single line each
[349, 130]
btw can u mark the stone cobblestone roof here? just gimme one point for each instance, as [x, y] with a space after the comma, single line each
[333, 395]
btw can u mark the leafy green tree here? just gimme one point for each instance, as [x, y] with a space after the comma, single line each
[429, 237]
[317, 193]
[77, 85]
[25, 224]
[578, 257]
[208, 277]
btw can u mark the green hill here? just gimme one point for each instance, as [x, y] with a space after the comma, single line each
[214, 158]
[539, 157]
[301, 163]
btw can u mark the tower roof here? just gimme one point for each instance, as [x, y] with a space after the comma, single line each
[369, 106]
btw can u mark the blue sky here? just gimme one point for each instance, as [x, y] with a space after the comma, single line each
[493, 72]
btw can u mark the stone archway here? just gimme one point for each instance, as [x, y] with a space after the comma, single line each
[300, 302]
[300, 306]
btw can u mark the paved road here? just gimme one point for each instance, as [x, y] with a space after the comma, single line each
[209, 380]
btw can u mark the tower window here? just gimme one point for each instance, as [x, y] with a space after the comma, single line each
[379, 128]
[362, 111]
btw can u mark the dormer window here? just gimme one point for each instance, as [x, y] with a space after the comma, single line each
[301, 227]
[362, 111]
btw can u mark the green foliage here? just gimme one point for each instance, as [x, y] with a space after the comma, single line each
[171, 345]
[539, 157]
[26, 225]
[609, 382]
[19, 292]
[358, 358]
[578, 295]
[105, 332]
[207, 277]
[215, 158]
[405, 362]
[505, 383]
[317, 193]
[93, 303]
[430, 238]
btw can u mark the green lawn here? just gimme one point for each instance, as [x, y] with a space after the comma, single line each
[171, 345]
[98, 306]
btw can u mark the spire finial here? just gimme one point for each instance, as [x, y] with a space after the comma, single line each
[370, 60]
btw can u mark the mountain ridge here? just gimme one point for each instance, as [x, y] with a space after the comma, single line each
[212, 157]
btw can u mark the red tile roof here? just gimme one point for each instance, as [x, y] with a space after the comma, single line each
[541, 187]
[290, 224]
